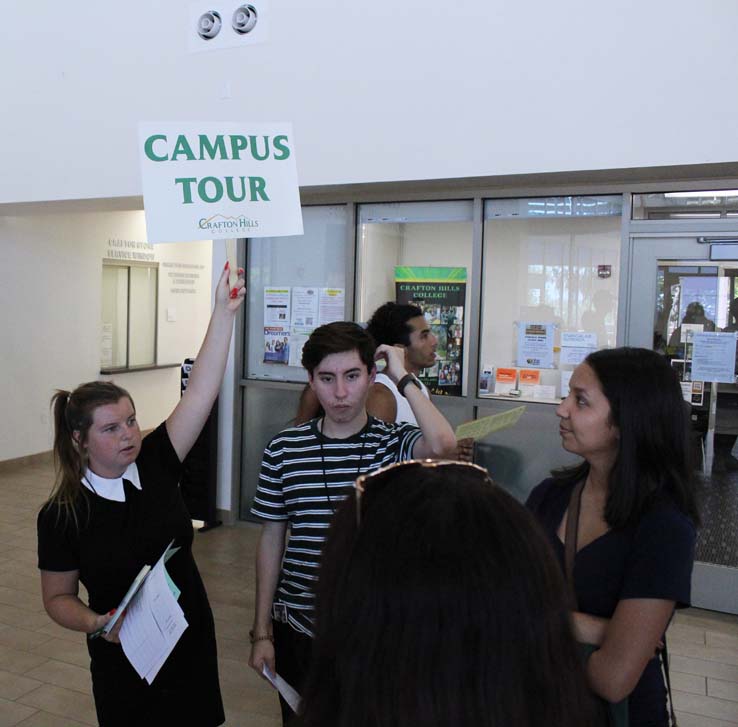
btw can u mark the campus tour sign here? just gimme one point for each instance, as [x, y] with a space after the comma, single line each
[219, 180]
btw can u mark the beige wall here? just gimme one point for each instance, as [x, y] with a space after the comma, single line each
[50, 297]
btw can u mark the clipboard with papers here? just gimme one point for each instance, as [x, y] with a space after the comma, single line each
[154, 621]
[134, 588]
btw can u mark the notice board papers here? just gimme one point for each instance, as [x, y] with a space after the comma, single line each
[713, 357]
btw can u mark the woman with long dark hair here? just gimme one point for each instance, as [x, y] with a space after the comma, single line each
[633, 542]
[115, 507]
[440, 604]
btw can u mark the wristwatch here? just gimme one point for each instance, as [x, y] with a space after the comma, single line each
[408, 379]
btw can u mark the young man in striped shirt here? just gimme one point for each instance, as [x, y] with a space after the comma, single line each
[308, 469]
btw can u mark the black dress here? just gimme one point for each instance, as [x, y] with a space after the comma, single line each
[113, 541]
[651, 560]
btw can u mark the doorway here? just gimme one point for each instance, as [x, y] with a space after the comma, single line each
[687, 290]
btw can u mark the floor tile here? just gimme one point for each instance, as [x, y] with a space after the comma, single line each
[722, 690]
[64, 650]
[19, 662]
[46, 719]
[706, 706]
[13, 686]
[693, 683]
[12, 713]
[62, 702]
[61, 674]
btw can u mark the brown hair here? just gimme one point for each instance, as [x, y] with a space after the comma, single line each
[338, 337]
[73, 412]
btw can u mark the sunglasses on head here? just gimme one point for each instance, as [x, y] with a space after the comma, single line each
[378, 476]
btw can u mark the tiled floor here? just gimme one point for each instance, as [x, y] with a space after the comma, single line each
[44, 677]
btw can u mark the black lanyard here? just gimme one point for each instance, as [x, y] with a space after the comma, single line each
[321, 423]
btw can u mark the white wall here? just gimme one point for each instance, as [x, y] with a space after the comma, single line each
[376, 91]
[50, 297]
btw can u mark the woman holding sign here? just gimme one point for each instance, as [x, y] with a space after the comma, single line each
[622, 523]
[115, 507]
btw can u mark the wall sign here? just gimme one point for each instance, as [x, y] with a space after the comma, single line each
[219, 180]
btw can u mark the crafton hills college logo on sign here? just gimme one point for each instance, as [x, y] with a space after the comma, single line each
[236, 225]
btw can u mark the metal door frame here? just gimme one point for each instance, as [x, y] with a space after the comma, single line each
[714, 587]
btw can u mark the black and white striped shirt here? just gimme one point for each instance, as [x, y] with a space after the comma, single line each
[304, 476]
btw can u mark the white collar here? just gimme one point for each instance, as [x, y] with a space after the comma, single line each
[111, 489]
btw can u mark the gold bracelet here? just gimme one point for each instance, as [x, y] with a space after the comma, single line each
[253, 639]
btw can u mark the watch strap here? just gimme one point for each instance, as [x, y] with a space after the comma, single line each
[405, 380]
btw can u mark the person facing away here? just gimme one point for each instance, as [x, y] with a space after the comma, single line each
[115, 507]
[694, 315]
[625, 417]
[440, 604]
[307, 470]
[405, 326]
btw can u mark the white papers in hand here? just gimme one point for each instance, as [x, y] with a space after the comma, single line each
[288, 693]
[153, 624]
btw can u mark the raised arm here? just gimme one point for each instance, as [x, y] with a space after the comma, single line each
[188, 418]
[438, 440]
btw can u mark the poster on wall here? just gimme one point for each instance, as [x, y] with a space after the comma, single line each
[536, 345]
[206, 181]
[291, 314]
[277, 325]
[440, 293]
[713, 357]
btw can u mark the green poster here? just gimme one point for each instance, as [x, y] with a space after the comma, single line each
[440, 293]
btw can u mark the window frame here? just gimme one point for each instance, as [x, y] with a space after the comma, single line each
[128, 265]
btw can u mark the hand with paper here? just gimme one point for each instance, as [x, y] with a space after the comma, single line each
[102, 621]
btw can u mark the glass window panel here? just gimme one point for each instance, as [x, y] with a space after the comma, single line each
[143, 287]
[419, 235]
[706, 204]
[113, 352]
[315, 260]
[559, 268]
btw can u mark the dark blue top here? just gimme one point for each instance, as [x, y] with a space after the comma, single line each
[650, 560]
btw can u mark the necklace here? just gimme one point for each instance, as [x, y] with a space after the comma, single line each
[321, 436]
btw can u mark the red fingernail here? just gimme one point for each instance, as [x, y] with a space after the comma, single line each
[234, 293]
[227, 265]
[240, 271]
[110, 613]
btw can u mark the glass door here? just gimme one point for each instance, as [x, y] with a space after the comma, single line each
[688, 292]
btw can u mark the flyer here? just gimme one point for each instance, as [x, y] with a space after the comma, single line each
[304, 307]
[485, 378]
[565, 378]
[276, 344]
[574, 355]
[713, 357]
[331, 305]
[688, 330]
[298, 340]
[505, 380]
[277, 306]
[529, 380]
[578, 339]
[535, 345]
